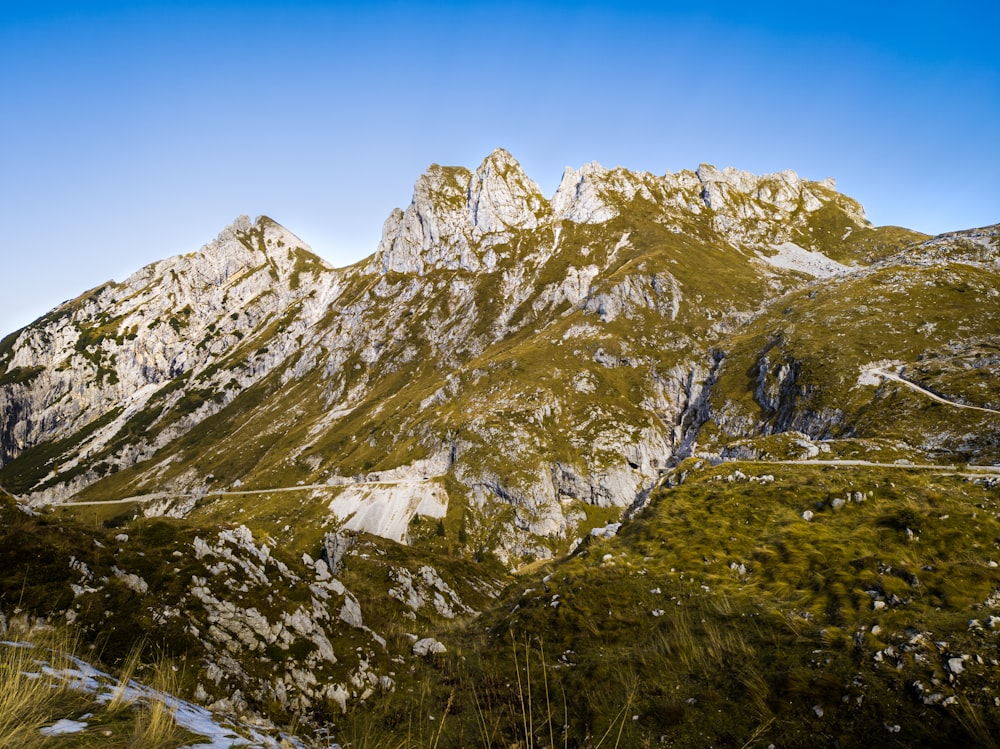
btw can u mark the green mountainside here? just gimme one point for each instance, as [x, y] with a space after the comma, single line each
[358, 498]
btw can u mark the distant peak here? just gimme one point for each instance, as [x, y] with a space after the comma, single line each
[741, 179]
[502, 196]
[262, 234]
[500, 164]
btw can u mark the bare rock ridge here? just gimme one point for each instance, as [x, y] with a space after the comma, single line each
[559, 352]
[454, 209]
[115, 346]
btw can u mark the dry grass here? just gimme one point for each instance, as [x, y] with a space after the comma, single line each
[121, 696]
[27, 697]
[38, 688]
[154, 723]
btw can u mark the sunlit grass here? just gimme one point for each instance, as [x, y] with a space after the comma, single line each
[43, 681]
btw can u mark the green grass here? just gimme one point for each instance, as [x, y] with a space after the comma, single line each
[661, 626]
[819, 340]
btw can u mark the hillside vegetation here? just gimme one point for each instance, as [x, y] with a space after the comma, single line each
[700, 459]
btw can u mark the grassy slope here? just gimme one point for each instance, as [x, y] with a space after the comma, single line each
[658, 637]
[938, 321]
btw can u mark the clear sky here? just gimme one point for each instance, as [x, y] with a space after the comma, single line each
[132, 131]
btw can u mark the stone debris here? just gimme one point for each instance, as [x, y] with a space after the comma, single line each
[424, 587]
[607, 531]
[428, 646]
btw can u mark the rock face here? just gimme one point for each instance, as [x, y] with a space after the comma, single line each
[456, 214]
[503, 360]
[123, 349]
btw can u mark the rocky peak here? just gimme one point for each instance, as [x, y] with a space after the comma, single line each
[502, 196]
[456, 216]
[728, 190]
[241, 249]
[784, 189]
[431, 227]
[579, 198]
[116, 346]
[241, 225]
[453, 209]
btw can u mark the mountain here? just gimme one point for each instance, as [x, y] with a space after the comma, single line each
[543, 359]
[508, 377]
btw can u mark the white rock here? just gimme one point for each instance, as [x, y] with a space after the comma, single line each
[350, 612]
[386, 509]
[608, 531]
[502, 196]
[811, 262]
[578, 197]
[132, 582]
[428, 646]
[322, 570]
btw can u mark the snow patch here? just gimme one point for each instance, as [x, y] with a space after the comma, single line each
[215, 735]
[63, 726]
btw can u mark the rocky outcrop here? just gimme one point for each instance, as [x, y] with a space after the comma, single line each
[579, 197]
[502, 197]
[456, 216]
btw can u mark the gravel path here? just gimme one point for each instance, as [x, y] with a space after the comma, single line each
[928, 393]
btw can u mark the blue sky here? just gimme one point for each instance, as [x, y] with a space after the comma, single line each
[132, 131]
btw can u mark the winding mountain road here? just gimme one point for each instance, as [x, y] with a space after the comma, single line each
[924, 391]
[969, 471]
[143, 498]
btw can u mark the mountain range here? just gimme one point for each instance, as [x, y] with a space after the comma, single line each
[705, 439]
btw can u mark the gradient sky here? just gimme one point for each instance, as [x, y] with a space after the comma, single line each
[132, 131]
